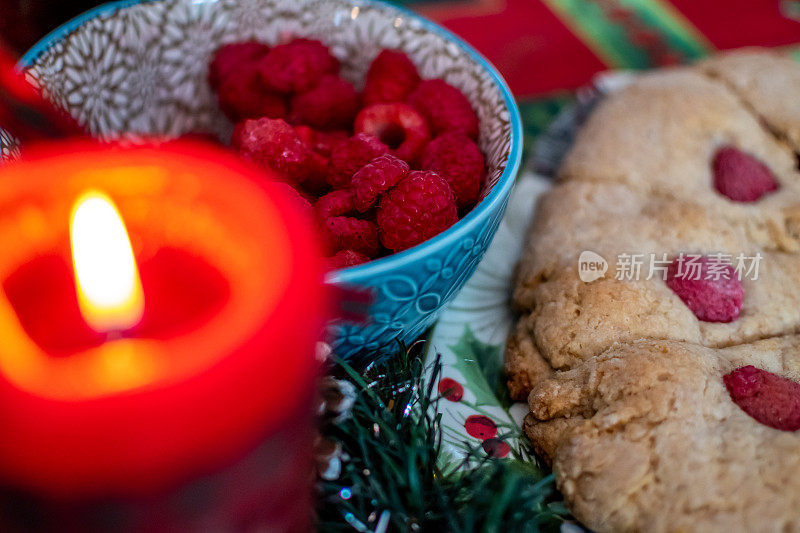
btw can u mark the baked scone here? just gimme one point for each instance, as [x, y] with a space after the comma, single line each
[645, 437]
[632, 378]
[640, 178]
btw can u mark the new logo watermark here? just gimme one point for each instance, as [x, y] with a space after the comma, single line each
[591, 266]
[633, 267]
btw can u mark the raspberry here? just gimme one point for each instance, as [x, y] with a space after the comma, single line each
[326, 141]
[297, 65]
[244, 96]
[351, 155]
[458, 160]
[445, 107]
[234, 74]
[421, 206]
[348, 233]
[771, 399]
[331, 104]
[316, 181]
[285, 189]
[375, 178]
[391, 78]
[740, 176]
[711, 300]
[320, 143]
[229, 58]
[346, 258]
[273, 144]
[306, 134]
[397, 125]
[334, 204]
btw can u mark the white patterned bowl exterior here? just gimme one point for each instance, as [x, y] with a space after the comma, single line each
[141, 67]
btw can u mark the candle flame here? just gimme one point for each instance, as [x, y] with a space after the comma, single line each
[107, 279]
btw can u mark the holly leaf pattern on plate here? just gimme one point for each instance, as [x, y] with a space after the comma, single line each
[470, 338]
[480, 364]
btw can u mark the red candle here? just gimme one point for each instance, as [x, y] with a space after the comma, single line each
[158, 317]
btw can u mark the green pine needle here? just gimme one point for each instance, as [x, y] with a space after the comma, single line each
[392, 442]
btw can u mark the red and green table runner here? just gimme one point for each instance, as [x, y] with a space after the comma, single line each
[547, 48]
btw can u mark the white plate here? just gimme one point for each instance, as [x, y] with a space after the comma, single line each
[471, 334]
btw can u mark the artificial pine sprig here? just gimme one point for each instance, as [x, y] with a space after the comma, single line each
[390, 480]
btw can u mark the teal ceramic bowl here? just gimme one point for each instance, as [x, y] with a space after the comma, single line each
[141, 67]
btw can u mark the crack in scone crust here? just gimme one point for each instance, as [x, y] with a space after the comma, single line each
[766, 82]
[627, 395]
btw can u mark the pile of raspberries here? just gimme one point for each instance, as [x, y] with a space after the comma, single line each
[381, 170]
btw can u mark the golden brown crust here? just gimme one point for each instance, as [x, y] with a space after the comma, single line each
[564, 320]
[627, 399]
[659, 136]
[645, 437]
[768, 82]
[524, 365]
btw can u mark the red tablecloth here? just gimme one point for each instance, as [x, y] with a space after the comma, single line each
[542, 46]
[547, 48]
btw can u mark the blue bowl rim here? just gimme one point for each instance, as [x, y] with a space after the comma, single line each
[359, 274]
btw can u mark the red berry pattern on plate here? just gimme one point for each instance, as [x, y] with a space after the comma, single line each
[481, 427]
[740, 176]
[451, 389]
[496, 448]
[771, 399]
[712, 290]
[385, 170]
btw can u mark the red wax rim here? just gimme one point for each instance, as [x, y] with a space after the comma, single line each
[217, 386]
